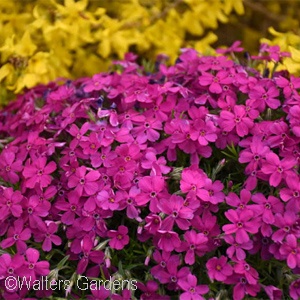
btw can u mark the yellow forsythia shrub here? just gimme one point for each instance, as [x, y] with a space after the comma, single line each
[41, 40]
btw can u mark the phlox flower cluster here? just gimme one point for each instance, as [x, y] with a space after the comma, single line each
[185, 179]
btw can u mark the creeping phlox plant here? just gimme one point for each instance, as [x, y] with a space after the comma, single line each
[180, 184]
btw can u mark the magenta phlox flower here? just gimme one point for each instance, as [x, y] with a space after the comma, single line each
[171, 274]
[240, 202]
[186, 136]
[206, 224]
[227, 103]
[121, 168]
[149, 291]
[17, 235]
[273, 292]
[104, 157]
[119, 238]
[32, 269]
[287, 224]
[192, 180]
[267, 207]
[291, 194]
[97, 82]
[78, 134]
[289, 86]
[192, 291]
[237, 119]
[46, 234]
[242, 267]
[10, 203]
[214, 63]
[153, 223]
[212, 191]
[243, 223]
[177, 213]
[107, 200]
[216, 82]
[194, 244]
[10, 165]
[38, 172]
[10, 266]
[87, 254]
[34, 211]
[100, 292]
[162, 106]
[242, 287]
[226, 138]
[84, 183]
[152, 188]
[290, 249]
[218, 268]
[207, 131]
[254, 154]
[168, 240]
[277, 169]
[128, 202]
[71, 208]
[91, 145]
[262, 244]
[147, 131]
[162, 259]
[295, 289]
[265, 93]
[235, 47]
[150, 159]
[236, 250]
[293, 116]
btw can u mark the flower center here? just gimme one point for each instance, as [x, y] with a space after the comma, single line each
[279, 170]
[268, 206]
[153, 194]
[30, 210]
[31, 266]
[10, 270]
[73, 207]
[239, 224]
[175, 214]
[163, 264]
[7, 168]
[40, 172]
[82, 181]
[16, 237]
[218, 268]
[119, 236]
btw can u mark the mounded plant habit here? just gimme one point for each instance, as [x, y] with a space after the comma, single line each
[183, 181]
